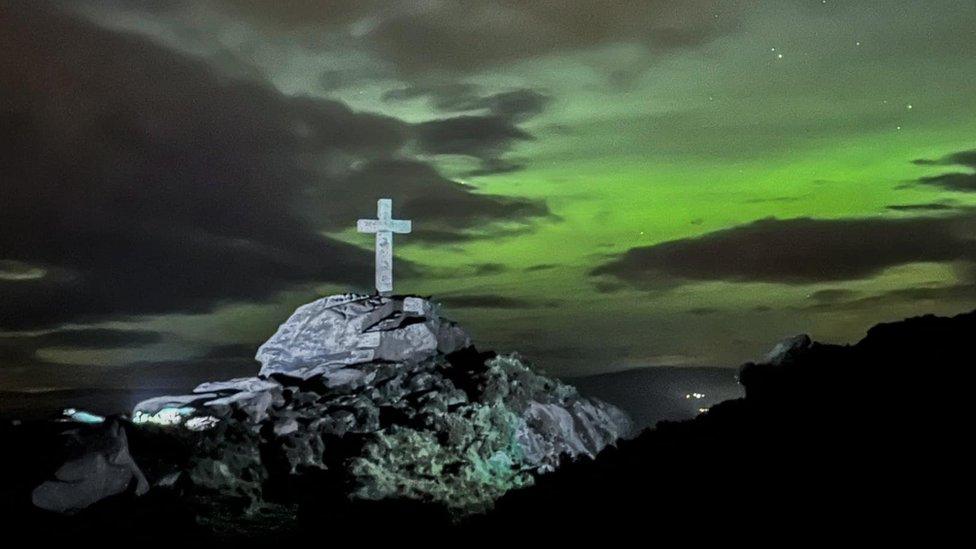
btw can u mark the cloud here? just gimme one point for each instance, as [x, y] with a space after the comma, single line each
[489, 301]
[487, 269]
[466, 36]
[951, 293]
[486, 138]
[514, 105]
[464, 271]
[832, 295]
[955, 181]
[797, 251]
[440, 208]
[144, 182]
[21, 349]
[926, 207]
[486, 135]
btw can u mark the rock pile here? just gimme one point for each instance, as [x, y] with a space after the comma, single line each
[388, 398]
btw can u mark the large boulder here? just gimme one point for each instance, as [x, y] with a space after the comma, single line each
[325, 336]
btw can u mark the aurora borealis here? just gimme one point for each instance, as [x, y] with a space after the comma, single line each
[597, 185]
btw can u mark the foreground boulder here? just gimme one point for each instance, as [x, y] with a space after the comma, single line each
[99, 466]
[372, 398]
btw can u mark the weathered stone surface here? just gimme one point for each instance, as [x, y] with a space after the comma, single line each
[101, 467]
[249, 384]
[552, 432]
[254, 404]
[334, 332]
[153, 405]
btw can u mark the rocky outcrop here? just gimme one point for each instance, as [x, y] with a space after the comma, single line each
[387, 398]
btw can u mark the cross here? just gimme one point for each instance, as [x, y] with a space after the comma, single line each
[384, 227]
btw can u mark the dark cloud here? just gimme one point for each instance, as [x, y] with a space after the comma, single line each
[798, 251]
[832, 295]
[489, 301]
[928, 207]
[486, 135]
[955, 181]
[440, 208]
[951, 293]
[468, 35]
[20, 349]
[145, 183]
[515, 105]
[452, 97]
[464, 271]
[486, 138]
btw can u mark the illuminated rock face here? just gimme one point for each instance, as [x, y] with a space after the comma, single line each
[326, 336]
[390, 396]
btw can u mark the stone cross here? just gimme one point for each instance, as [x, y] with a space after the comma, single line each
[384, 227]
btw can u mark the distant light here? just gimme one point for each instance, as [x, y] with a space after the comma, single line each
[702, 410]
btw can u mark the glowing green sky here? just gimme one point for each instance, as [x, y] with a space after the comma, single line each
[712, 138]
[787, 110]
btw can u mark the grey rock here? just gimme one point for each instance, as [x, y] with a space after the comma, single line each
[155, 405]
[102, 468]
[240, 384]
[286, 426]
[553, 432]
[253, 403]
[784, 350]
[170, 480]
[335, 332]
[303, 449]
[348, 378]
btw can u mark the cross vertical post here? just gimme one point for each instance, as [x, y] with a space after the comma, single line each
[384, 226]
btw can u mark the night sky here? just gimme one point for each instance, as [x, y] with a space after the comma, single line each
[598, 185]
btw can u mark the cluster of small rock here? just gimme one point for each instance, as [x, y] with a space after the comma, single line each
[385, 393]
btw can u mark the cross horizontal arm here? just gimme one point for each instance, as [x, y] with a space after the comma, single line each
[368, 226]
[383, 225]
[401, 225]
